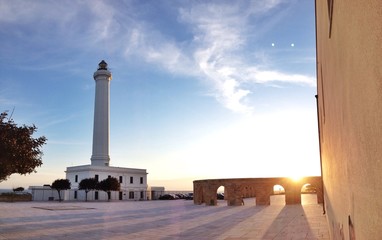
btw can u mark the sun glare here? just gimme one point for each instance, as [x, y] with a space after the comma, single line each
[296, 178]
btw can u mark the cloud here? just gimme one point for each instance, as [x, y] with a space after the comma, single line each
[217, 37]
[68, 142]
[264, 6]
[59, 120]
[226, 86]
[220, 35]
[258, 76]
[7, 102]
[215, 50]
[51, 26]
[148, 44]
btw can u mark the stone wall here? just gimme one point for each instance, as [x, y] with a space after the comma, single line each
[12, 197]
[349, 89]
[261, 188]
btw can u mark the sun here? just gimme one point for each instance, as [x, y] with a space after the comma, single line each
[296, 178]
[295, 175]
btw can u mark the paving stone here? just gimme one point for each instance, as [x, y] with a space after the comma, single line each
[178, 219]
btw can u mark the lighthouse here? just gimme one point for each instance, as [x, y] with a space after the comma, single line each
[133, 181]
[100, 154]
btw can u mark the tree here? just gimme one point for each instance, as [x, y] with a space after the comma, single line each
[19, 151]
[61, 184]
[88, 184]
[109, 184]
[19, 189]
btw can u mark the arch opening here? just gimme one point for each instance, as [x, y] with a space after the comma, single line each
[308, 194]
[248, 195]
[278, 195]
[220, 196]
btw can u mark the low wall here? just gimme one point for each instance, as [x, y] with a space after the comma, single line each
[11, 197]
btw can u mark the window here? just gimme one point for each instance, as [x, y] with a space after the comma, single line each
[131, 180]
[141, 180]
[75, 194]
[131, 195]
[120, 179]
[76, 178]
[330, 15]
[96, 177]
[141, 194]
[96, 194]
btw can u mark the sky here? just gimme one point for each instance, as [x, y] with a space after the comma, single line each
[200, 89]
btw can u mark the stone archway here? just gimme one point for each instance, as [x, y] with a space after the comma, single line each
[309, 194]
[278, 196]
[220, 195]
[261, 188]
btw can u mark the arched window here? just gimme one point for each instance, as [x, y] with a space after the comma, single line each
[278, 197]
[308, 194]
[220, 196]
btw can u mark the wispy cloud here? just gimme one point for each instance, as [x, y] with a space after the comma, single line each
[56, 121]
[215, 51]
[69, 142]
[157, 49]
[264, 76]
[7, 102]
[217, 35]
[221, 32]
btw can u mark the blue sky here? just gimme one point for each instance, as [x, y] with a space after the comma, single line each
[200, 89]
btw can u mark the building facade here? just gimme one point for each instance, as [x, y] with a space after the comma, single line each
[133, 182]
[46, 193]
[349, 97]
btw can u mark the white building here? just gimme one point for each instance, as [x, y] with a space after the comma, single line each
[156, 192]
[45, 193]
[133, 182]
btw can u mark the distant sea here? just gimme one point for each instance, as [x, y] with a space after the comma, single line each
[4, 190]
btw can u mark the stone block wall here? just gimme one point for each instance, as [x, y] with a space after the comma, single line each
[349, 94]
[261, 188]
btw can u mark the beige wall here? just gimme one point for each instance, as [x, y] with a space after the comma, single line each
[349, 73]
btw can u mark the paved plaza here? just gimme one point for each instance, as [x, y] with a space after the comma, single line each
[172, 219]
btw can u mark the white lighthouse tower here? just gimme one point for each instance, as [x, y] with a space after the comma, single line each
[133, 181]
[102, 77]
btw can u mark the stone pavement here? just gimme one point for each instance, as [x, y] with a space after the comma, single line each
[176, 219]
